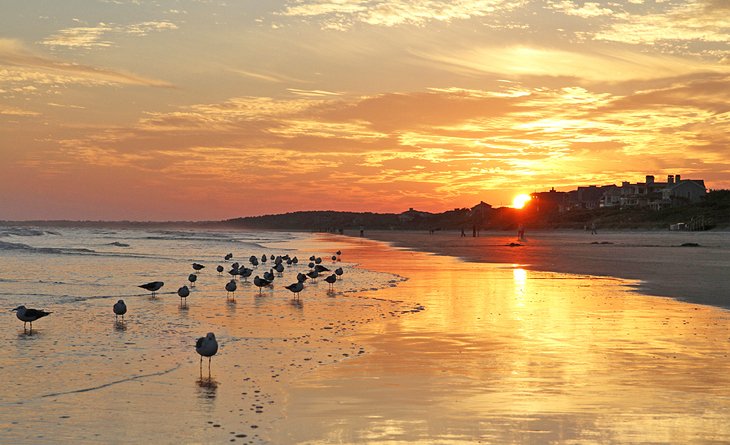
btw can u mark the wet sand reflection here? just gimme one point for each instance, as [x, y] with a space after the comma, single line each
[504, 355]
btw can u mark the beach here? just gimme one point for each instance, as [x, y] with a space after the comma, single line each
[409, 347]
[689, 266]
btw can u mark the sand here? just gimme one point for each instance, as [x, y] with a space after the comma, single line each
[658, 260]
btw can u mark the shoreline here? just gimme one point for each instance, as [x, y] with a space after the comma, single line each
[696, 272]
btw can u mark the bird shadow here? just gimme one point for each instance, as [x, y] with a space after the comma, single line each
[29, 335]
[297, 303]
[120, 326]
[207, 387]
[331, 293]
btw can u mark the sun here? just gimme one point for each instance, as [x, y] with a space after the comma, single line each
[520, 200]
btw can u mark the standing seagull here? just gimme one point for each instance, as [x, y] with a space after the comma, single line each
[183, 293]
[231, 289]
[207, 347]
[119, 309]
[153, 286]
[331, 279]
[29, 316]
[260, 282]
[295, 288]
[219, 269]
[339, 271]
[198, 266]
[192, 278]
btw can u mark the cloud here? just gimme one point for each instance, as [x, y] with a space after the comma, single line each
[92, 37]
[598, 65]
[27, 66]
[694, 20]
[343, 14]
[587, 10]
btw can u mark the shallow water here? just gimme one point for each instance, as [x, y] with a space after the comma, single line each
[83, 378]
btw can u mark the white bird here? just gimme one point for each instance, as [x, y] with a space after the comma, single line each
[295, 288]
[183, 293]
[153, 286]
[207, 347]
[231, 289]
[27, 315]
[119, 309]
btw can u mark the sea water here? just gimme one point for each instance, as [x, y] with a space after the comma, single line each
[82, 376]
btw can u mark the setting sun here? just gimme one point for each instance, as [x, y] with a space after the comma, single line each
[520, 200]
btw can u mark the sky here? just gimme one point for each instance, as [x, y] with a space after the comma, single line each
[207, 109]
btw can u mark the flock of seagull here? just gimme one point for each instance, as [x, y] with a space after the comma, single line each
[208, 346]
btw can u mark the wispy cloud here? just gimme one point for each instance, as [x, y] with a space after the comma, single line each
[98, 36]
[28, 67]
[343, 14]
[694, 20]
[604, 65]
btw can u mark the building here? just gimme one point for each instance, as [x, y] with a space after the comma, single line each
[684, 191]
[648, 194]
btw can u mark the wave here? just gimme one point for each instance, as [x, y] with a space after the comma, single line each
[4, 245]
[24, 231]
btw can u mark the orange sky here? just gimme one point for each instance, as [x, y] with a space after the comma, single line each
[207, 109]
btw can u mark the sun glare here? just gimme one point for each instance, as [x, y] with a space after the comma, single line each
[520, 201]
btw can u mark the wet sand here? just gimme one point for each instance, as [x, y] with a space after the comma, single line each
[664, 267]
[503, 354]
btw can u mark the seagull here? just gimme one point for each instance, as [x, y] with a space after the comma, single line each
[279, 268]
[29, 315]
[254, 261]
[339, 271]
[245, 272]
[295, 288]
[207, 347]
[183, 292]
[219, 269]
[334, 258]
[231, 288]
[119, 309]
[331, 279]
[192, 278]
[228, 257]
[233, 272]
[321, 268]
[295, 260]
[269, 276]
[339, 252]
[313, 274]
[318, 260]
[263, 258]
[198, 266]
[311, 258]
[260, 282]
[301, 277]
[153, 287]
